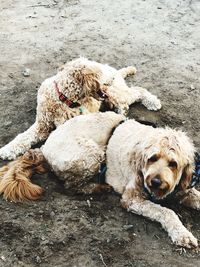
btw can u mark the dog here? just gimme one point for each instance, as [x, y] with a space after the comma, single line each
[145, 165]
[78, 88]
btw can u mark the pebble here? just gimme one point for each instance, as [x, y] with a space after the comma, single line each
[7, 123]
[3, 258]
[52, 214]
[128, 226]
[192, 87]
[38, 259]
[89, 203]
[26, 72]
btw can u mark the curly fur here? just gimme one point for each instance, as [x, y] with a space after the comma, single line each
[76, 161]
[79, 80]
[130, 166]
[137, 154]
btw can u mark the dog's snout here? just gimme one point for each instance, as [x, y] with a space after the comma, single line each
[156, 182]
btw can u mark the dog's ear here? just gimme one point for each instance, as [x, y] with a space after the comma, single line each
[186, 177]
[88, 78]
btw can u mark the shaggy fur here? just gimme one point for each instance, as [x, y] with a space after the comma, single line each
[15, 184]
[81, 81]
[75, 156]
[137, 156]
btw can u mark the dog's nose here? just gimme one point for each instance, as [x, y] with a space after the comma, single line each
[156, 182]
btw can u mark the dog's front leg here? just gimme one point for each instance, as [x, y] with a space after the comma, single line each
[191, 198]
[168, 219]
[39, 131]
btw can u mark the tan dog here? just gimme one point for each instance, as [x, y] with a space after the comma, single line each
[147, 164]
[78, 88]
[144, 165]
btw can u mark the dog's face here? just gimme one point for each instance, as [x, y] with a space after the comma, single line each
[83, 82]
[167, 164]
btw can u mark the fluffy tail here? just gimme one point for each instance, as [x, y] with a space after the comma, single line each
[15, 183]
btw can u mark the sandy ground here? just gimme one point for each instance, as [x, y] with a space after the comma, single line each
[162, 39]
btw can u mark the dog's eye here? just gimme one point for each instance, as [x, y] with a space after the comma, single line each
[173, 164]
[154, 158]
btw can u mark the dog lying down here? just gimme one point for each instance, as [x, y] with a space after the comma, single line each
[143, 164]
[78, 88]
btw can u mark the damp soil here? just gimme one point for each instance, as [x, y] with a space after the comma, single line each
[162, 39]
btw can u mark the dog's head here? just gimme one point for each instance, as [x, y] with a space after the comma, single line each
[82, 82]
[167, 162]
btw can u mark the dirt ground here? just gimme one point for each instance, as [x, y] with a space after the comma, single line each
[162, 39]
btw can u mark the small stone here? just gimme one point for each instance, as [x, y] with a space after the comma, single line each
[3, 258]
[38, 259]
[52, 214]
[89, 203]
[128, 226]
[26, 72]
[192, 87]
[7, 123]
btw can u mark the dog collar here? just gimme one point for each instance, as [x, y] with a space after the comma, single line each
[65, 99]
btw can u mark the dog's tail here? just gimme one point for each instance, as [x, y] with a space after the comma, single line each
[15, 183]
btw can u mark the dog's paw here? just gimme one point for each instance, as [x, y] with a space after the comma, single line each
[185, 239]
[152, 103]
[131, 70]
[5, 154]
[125, 72]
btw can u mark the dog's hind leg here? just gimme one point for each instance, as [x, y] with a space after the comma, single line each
[150, 101]
[127, 71]
[122, 96]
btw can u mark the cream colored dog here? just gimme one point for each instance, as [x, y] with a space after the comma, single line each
[78, 88]
[144, 164]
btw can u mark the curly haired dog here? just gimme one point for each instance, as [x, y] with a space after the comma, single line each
[77, 89]
[144, 164]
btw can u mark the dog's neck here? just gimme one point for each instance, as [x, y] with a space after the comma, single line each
[65, 99]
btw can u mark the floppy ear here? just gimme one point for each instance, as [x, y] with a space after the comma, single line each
[186, 177]
[88, 78]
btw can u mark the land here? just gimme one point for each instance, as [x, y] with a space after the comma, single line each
[162, 39]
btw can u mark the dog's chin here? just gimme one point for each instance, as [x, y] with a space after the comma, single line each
[158, 193]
